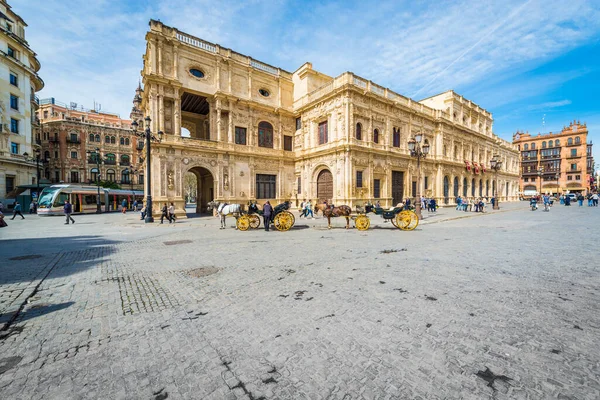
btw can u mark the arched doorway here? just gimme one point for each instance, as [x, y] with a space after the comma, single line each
[198, 189]
[455, 188]
[325, 185]
[446, 189]
[465, 187]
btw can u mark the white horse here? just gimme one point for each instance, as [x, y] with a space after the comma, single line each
[224, 209]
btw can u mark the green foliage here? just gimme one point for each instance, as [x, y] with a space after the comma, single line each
[109, 185]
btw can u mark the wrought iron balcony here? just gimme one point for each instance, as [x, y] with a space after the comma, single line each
[74, 141]
[110, 162]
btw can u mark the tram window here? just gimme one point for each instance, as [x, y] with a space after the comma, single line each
[90, 199]
[60, 199]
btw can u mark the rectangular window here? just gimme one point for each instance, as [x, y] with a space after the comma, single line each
[14, 125]
[74, 138]
[14, 80]
[396, 139]
[573, 152]
[570, 177]
[359, 179]
[573, 167]
[526, 180]
[14, 148]
[265, 186]
[577, 177]
[12, 52]
[323, 132]
[240, 135]
[74, 154]
[56, 176]
[426, 182]
[74, 177]
[14, 102]
[141, 179]
[287, 143]
[376, 188]
[10, 184]
[298, 123]
[299, 185]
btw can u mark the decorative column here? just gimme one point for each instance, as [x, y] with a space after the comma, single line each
[218, 108]
[177, 115]
[230, 123]
[175, 61]
[160, 57]
[161, 112]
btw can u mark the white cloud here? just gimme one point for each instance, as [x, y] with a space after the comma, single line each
[549, 105]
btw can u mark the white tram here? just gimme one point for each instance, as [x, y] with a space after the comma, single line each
[84, 199]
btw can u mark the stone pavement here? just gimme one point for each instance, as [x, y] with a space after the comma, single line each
[501, 305]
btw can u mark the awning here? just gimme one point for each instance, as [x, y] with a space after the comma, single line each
[22, 188]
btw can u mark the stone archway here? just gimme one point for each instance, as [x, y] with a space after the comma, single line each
[325, 186]
[204, 190]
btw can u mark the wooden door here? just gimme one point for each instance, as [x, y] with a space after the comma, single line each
[397, 187]
[325, 186]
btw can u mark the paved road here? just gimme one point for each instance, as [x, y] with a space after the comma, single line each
[501, 305]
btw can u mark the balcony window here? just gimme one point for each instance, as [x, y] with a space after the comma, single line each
[73, 138]
[570, 142]
[74, 155]
[573, 167]
[359, 182]
[265, 135]
[396, 138]
[125, 176]
[125, 160]
[14, 80]
[577, 140]
[126, 141]
[287, 143]
[323, 132]
[112, 140]
[573, 152]
[14, 102]
[359, 131]
[376, 136]
[74, 177]
[265, 186]
[97, 138]
[95, 174]
[14, 148]
[12, 52]
[525, 146]
[14, 125]
[110, 175]
[122, 141]
[240, 135]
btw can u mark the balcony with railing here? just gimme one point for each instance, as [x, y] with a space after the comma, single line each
[73, 140]
[574, 155]
[125, 163]
[110, 162]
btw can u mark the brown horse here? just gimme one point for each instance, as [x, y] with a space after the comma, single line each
[341, 211]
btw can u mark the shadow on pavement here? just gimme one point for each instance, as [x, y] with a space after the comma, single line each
[43, 309]
[25, 260]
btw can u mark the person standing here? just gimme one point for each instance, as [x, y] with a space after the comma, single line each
[580, 199]
[68, 210]
[164, 213]
[31, 207]
[124, 206]
[171, 213]
[303, 209]
[595, 199]
[135, 204]
[17, 210]
[267, 212]
[1, 207]
[432, 205]
[143, 212]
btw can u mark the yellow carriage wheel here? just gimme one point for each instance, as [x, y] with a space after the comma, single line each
[284, 221]
[242, 223]
[362, 222]
[407, 220]
[254, 221]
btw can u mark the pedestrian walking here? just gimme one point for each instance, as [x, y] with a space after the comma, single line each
[303, 209]
[135, 204]
[124, 206]
[309, 210]
[267, 211]
[595, 199]
[68, 210]
[580, 200]
[143, 212]
[31, 208]
[2, 221]
[164, 213]
[172, 213]
[458, 203]
[432, 205]
[17, 211]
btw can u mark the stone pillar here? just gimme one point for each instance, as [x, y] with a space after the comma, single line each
[161, 113]
[160, 57]
[218, 109]
[175, 62]
[230, 138]
[177, 116]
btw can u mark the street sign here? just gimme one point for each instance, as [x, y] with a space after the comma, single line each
[34, 195]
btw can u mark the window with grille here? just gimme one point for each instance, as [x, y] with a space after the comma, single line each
[265, 135]
[359, 176]
[376, 188]
[240, 135]
[323, 132]
[287, 143]
[265, 186]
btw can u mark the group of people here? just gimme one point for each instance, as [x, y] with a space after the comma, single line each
[306, 209]
[470, 204]
[428, 204]
[167, 212]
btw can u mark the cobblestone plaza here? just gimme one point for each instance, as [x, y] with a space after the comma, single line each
[470, 306]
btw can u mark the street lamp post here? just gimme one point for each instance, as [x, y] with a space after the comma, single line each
[97, 156]
[37, 167]
[557, 176]
[418, 151]
[496, 164]
[148, 138]
[131, 174]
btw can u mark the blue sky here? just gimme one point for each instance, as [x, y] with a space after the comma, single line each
[519, 59]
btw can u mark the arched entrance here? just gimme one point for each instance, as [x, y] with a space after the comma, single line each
[325, 186]
[455, 188]
[198, 189]
[446, 189]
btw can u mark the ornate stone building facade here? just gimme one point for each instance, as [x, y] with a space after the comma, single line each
[19, 80]
[68, 133]
[249, 131]
[564, 159]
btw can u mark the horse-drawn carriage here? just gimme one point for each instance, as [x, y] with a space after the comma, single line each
[281, 217]
[401, 218]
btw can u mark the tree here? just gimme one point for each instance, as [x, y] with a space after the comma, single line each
[109, 185]
[190, 187]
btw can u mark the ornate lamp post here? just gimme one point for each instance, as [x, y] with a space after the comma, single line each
[37, 152]
[418, 151]
[97, 157]
[540, 171]
[496, 164]
[148, 138]
[557, 176]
